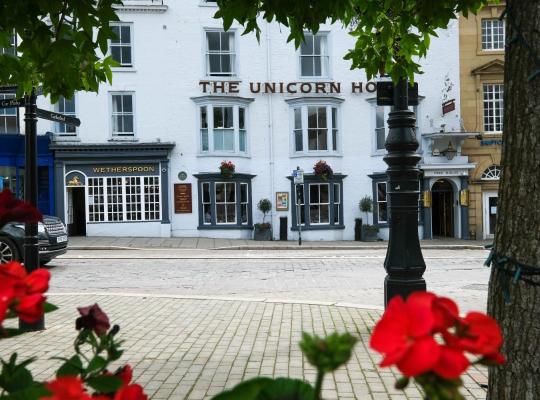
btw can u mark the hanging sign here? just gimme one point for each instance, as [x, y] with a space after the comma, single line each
[182, 198]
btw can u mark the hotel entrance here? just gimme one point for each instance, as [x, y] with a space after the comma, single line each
[443, 209]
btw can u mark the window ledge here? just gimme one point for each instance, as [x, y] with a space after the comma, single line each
[305, 79]
[318, 227]
[60, 138]
[226, 227]
[208, 4]
[316, 155]
[123, 69]
[122, 139]
[221, 155]
[217, 78]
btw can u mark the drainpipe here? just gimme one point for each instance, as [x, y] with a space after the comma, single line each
[270, 119]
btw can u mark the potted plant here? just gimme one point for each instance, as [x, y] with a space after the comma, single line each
[323, 170]
[263, 231]
[369, 232]
[227, 168]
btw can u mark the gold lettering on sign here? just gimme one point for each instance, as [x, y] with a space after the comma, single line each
[124, 169]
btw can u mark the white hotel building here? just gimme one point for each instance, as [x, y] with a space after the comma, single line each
[145, 160]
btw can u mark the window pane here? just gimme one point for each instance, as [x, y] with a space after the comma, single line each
[298, 140]
[312, 139]
[126, 39]
[228, 140]
[204, 122]
[206, 193]
[218, 117]
[336, 193]
[231, 213]
[297, 118]
[243, 192]
[213, 41]
[334, 139]
[226, 64]
[231, 192]
[242, 140]
[117, 103]
[116, 31]
[383, 216]
[314, 194]
[324, 194]
[381, 191]
[306, 66]
[127, 103]
[207, 210]
[241, 118]
[128, 123]
[317, 66]
[307, 45]
[220, 214]
[225, 41]
[220, 192]
[228, 112]
[215, 63]
[324, 214]
[322, 117]
[312, 117]
[218, 140]
[317, 44]
[126, 55]
[322, 139]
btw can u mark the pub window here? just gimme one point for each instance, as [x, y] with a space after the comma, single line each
[493, 34]
[224, 204]
[314, 57]
[319, 203]
[381, 203]
[66, 107]
[123, 115]
[114, 199]
[121, 47]
[8, 116]
[493, 107]
[223, 129]
[315, 129]
[220, 53]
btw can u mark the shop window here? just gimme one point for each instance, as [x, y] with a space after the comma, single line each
[120, 48]
[493, 107]
[493, 34]
[492, 173]
[66, 107]
[123, 115]
[223, 128]
[8, 116]
[315, 129]
[133, 198]
[220, 53]
[319, 203]
[314, 58]
[225, 204]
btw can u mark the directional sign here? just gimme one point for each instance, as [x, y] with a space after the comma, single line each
[385, 94]
[9, 103]
[56, 117]
[298, 176]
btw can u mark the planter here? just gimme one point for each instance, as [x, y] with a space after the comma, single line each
[262, 234]
[227, 172]
[370, 233]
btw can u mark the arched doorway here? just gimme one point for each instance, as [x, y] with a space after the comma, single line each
[442, 224]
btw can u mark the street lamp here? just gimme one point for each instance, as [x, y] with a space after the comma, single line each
[404, 263]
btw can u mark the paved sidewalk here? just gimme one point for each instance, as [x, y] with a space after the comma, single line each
[108, 243]
[184, 348]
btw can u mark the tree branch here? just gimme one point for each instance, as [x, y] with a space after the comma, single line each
[61, 20]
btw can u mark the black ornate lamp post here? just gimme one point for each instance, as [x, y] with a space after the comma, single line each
[404, 263]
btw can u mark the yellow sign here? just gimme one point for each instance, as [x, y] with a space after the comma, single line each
[124, 169]
[75, 181]
[464, 197]
[427, 198]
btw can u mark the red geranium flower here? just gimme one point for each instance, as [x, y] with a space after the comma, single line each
[125, 373]
[14, 210]
[451, 363]
[30, 308]
[66, 388]
[445, 312]
[94, 318]
[38, 281]
[131, 392]
[479, 334]
[403, 335]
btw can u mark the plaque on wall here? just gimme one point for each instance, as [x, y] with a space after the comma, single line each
[182, 198]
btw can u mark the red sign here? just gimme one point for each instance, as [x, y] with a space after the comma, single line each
[448, 106]
[182, 198]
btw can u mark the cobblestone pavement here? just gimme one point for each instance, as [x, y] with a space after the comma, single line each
[193, 349]
[335, 277]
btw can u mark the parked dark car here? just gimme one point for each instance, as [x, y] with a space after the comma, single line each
[52, 236]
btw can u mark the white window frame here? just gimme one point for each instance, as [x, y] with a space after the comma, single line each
[319, 204]
[210, 102]
[123, 66]
[491, 173]
[225, 203]
[332, 125]
[376, 151]
[6, 113]
[326, 72]
[491, 104]
[123, 136]
[491, 41]
[121, 208]
[385, 201]
[56, 126]
[206, 55]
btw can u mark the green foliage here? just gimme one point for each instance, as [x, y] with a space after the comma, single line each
[264, 206]
[326, 354]
[390, 34]
[60, 44]
[366, 204]
[16, 381]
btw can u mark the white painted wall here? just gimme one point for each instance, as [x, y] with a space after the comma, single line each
[168, 65]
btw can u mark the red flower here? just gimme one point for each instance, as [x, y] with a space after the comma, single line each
[30, 308]
[131, 392]
[66, 388]
[445, 312]
[451, 363]
[14, 210]
[479, 334]
[403, 335]
[6, 297]
[14, 274]
[125, 373]
[38, 281]
[94, 318]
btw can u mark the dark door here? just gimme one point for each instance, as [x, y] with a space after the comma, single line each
[77, 222]
[443, 209]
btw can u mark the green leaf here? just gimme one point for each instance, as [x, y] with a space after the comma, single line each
[48, 307]
[73, 366]
[104, 384]
[33, 392]
[96, 363]
[269, 389]
[330, 353]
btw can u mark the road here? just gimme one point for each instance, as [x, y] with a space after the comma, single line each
[340, 276]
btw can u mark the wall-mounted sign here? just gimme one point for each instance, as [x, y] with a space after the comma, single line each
[385, 94]
[182, 198]
[298, 176]
[282, 201]
[123, 169]
[450, 172]
[286, 87]
[448, 106]
[74, 179]
[182, 175]
[491, 142]
[464, 198]
[426, 197]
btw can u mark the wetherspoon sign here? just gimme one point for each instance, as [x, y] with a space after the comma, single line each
[288, 87]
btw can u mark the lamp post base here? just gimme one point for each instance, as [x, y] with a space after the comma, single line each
[401, 287]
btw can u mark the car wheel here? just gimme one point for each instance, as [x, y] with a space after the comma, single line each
[8, 251]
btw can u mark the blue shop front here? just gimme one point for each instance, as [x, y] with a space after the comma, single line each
[12, 169]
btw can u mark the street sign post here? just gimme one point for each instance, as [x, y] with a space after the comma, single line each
[298, 179]
[56, 117]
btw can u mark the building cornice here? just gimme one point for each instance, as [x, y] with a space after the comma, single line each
[142, 6]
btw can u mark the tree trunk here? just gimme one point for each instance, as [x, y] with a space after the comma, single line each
[518, 225]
